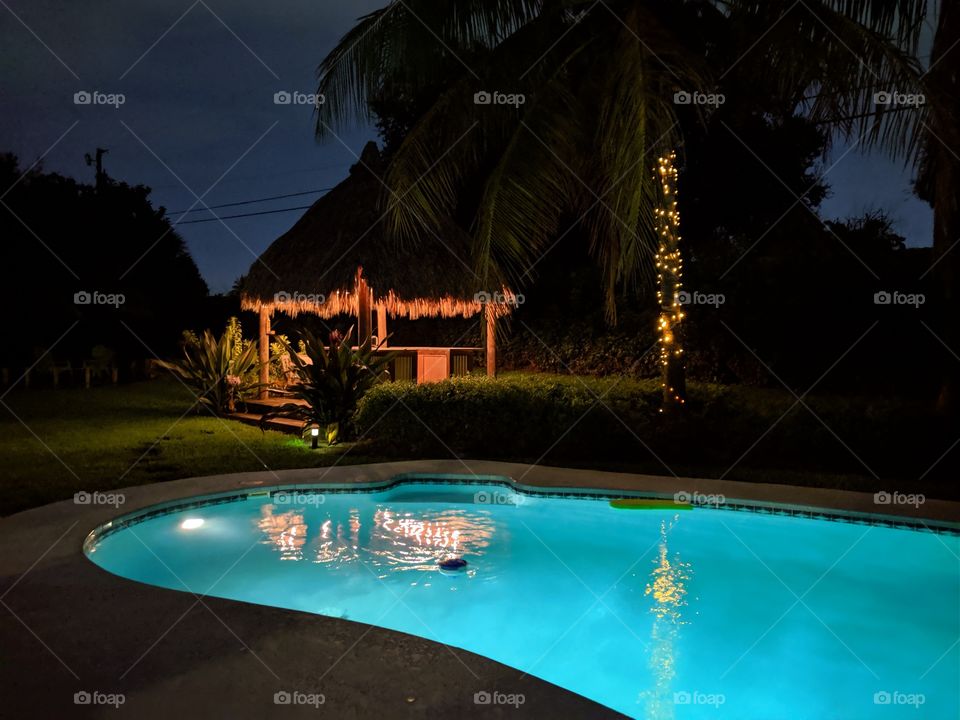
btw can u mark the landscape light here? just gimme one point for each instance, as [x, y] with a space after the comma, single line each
[314, 437]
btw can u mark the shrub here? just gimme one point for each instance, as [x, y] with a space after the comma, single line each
[332, 382]
[221, 371]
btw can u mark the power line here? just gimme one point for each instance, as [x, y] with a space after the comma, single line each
[244, 215]
[244, 178]
[902, 108]
[249, 202]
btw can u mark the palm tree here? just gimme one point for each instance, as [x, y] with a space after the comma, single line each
[598, 84]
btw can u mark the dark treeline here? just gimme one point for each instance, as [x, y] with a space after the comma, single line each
[93, 268]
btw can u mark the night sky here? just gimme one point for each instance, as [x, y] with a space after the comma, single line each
[199, 79]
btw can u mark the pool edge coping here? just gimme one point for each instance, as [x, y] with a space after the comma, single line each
[737, 504]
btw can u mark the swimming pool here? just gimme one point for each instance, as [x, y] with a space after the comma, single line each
[708, 613]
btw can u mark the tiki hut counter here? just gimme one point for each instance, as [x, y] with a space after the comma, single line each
[337, 260]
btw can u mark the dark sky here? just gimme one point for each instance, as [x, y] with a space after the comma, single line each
[199, 78]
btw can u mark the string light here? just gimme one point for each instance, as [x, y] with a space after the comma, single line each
[669, 265]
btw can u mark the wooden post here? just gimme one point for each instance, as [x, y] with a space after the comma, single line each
[491, 340]
[264, 347]
[382, 324]
[364, 311]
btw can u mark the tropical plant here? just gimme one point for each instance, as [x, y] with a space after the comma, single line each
[598, 84]
[221, 371]
[330, 382]
[279, 368]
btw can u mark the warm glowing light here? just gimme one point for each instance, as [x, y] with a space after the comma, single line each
[191, 523]
[667, 588]
[315, 431]
[669, 266]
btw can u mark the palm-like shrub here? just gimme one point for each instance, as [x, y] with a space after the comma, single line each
[221, 371]
[331, 381]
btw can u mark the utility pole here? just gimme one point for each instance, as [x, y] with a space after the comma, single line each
[101, 176]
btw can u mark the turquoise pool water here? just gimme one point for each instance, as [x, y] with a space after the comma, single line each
[658, 614]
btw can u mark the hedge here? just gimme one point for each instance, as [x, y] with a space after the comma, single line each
[513, 417]
[593, 421]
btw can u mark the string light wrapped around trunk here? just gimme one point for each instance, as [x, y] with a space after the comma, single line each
[669, 264]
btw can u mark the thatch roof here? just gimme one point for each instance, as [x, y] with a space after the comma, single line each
[314, 266]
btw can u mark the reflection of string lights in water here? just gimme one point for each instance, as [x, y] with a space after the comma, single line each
[355, 527]
[406, 541]
[424, 532]
[286, 530]
[668, 589]
[333, 546]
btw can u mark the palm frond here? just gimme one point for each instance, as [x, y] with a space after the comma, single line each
[409, 43]
[635, 122]
[836, 58]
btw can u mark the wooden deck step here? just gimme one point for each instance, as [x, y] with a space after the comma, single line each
[261, 406]
[284, 425]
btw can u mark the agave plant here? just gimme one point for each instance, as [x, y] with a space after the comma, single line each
[221, 370]
[331, 381]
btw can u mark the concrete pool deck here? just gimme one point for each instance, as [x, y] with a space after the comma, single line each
[67, 626]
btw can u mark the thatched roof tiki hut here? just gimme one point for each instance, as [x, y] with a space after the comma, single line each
[336, 260]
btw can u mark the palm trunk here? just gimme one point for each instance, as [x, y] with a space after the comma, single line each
[669, 272]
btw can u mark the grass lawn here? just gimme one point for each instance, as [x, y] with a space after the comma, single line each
[54, 443]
